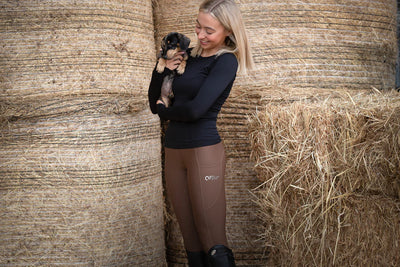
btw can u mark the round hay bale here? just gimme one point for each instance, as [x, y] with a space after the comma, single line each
[242, 223]
[82, 190]
[322, 45]
[173, 15]
[328, 167]
[75, 50]
[80, 166]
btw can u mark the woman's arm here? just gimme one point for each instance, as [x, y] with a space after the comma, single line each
[221, 75]
[154, 91]
[155, 88]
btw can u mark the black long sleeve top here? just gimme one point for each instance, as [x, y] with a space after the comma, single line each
[199, 94]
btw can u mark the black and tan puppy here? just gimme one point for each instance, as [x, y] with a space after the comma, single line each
[171, 44]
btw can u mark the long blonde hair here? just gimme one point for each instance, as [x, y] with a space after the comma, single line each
[228, 14]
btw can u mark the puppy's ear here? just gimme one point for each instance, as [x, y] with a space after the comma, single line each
[184, 41]
[164, 42]
[163, 51]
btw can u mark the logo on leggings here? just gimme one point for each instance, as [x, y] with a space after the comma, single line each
[211, 177]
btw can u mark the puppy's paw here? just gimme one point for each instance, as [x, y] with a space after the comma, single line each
[161, 65]
[166, 101]
[181, 67]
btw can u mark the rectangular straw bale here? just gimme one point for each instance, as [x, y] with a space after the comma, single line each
[321, 160]
[354, 140]
[348, 230]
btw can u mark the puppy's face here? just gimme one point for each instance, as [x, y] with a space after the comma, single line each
[173, 43]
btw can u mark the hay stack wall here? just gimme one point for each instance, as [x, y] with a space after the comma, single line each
[330, 172]
[242, 224]
[80, 154]
[300, 49]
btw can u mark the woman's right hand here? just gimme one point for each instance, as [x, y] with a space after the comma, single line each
[174, 62]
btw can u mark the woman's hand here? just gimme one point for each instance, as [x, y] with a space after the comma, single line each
[160, 102]
[174, 62]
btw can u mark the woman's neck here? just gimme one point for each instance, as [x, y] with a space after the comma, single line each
[208, 53]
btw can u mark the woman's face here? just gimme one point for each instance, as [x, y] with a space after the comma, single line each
[211, 34]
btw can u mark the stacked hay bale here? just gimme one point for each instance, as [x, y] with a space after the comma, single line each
[331, 179]
[329, 45]
[80, 167]
[320, 165]
[242, 224]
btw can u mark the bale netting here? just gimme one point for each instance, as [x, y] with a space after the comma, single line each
[75, 50]
[82, 190]
[330, 179]
[323, 45]
[242, 223]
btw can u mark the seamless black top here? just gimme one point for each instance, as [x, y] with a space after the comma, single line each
[199, 94]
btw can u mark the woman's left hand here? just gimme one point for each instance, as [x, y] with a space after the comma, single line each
[160, 102]
[175, 61]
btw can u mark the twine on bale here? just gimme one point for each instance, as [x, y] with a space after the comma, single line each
[24, 109]
[329, 166]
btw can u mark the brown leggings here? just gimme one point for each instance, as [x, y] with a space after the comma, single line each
[195, 186]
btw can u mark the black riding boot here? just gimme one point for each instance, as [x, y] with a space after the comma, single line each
[197, 259]
[221, 256]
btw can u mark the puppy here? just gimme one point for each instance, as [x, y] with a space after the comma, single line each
[171, 44]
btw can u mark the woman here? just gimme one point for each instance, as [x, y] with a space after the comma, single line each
[194, 153]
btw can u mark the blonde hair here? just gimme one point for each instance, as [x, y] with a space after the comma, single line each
[228, 14]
